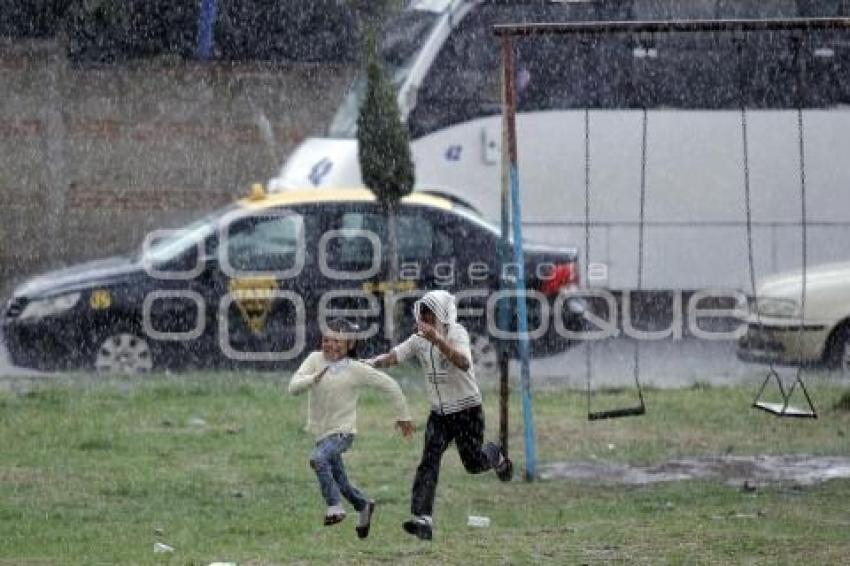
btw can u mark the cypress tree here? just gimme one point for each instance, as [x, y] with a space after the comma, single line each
[386, 165]
[384, 143]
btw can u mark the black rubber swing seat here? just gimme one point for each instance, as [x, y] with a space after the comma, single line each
[640, 409]
[616, 413]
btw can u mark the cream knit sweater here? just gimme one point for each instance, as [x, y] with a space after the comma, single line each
[332, 402]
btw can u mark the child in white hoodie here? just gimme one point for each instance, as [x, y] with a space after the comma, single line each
[441, 345]
[332, 378]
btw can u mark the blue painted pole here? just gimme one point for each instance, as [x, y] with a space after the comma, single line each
[509, 156]
[206, 28]
[522, 327]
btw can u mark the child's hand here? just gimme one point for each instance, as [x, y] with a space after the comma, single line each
[407, 428]
[426, 331]
[379, 361]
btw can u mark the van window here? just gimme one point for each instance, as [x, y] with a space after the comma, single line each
[465, 82]
[684, 70]
[712, 9]
[403, 39]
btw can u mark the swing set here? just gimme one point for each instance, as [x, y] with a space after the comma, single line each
[783, 408]
[510, 185]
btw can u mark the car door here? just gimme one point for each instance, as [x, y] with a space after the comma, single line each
[264, 264]
[178, 295]
[427, 255]
[353, 267]
[474, 253]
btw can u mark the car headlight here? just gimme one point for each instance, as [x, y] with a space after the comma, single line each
[786, 308]
[41, 308]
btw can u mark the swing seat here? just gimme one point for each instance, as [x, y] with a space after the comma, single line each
[616, 413]
[785, 410]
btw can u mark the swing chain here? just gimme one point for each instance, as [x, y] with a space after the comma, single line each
[588, 352]
[798, 379]
[641, 408]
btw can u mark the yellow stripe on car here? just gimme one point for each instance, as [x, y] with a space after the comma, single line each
[255, 201]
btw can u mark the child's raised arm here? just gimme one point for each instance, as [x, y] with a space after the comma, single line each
[307, 375]
[383, 360]
[367, 375]
[398, 354]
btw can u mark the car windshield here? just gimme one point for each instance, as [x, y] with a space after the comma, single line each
[176, 242]
[472, 216]
[403, 39]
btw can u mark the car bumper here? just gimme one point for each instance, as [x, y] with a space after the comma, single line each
[45, 345]
[783, 343]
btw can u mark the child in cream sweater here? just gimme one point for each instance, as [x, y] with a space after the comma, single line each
[332, 379]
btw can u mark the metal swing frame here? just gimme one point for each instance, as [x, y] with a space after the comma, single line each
[508, 31]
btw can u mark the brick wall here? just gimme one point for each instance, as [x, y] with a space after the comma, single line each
[91, 158]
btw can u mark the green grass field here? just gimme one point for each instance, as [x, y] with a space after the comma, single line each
[215, 466]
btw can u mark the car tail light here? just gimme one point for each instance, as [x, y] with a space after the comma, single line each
[563, 275]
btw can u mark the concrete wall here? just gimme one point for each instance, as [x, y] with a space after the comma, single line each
[93, 158]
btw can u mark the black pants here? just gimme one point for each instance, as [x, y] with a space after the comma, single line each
[466, 428]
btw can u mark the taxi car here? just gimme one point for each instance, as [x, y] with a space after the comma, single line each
[244, 285]
[779, 331]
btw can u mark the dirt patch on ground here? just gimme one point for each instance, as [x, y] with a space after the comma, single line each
[743, 471]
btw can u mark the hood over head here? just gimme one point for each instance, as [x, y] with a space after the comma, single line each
[441, 303]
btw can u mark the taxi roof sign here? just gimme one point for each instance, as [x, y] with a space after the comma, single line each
[258, 192]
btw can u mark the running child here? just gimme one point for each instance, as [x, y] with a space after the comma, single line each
[332, 378]
[441, 346]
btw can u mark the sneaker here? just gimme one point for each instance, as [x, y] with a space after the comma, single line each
[418, 527]
[334, 518]
[505, 470]
[363, 529]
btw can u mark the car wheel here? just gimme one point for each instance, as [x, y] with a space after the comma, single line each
[485, 355]
[838, 349]
[844, 352]
[123, 351]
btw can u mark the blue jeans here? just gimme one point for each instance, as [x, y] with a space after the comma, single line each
[326, 460]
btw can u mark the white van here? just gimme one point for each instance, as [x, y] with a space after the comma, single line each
[444, 60]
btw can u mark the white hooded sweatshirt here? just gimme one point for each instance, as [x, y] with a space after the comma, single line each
[452, 389]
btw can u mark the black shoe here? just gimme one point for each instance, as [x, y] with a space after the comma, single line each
[418, 527]
[505, 470]
[334, 519]
[363, 530]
